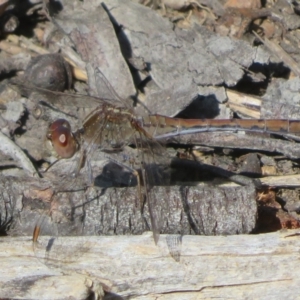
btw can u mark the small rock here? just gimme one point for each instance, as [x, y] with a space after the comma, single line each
[49, 71]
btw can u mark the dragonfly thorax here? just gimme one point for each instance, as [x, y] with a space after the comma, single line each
[108, 126]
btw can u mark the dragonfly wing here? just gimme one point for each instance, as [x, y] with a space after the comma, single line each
[106, 94]
[109, 137]
[152, 203]
[153, 173]
[28, 89]
[106, 91]
[56, 252]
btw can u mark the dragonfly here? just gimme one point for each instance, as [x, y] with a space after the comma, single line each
[113, 124]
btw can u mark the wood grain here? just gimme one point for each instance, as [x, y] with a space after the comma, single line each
[199, 267]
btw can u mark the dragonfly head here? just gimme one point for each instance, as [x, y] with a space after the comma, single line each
[62, 139]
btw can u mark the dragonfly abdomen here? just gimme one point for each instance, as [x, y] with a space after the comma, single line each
[162, 127]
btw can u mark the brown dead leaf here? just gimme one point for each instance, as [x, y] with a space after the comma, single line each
[287, 221]
[243, 4]
[267, 196]
[267, 26]
[45, 195]
[271, 217]
[268, 170]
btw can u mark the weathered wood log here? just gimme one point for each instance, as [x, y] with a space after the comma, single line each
[184, 210]
[243, 266]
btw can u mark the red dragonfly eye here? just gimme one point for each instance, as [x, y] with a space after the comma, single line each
[63, 141]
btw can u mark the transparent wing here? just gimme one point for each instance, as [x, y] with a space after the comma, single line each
[142, 163]
[56, 253]
[27, 89]
[106, 94]
[152, 165]
[106, 91]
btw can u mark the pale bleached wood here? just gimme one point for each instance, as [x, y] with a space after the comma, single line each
[245, 266]
[280, 181]
[246, 104]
